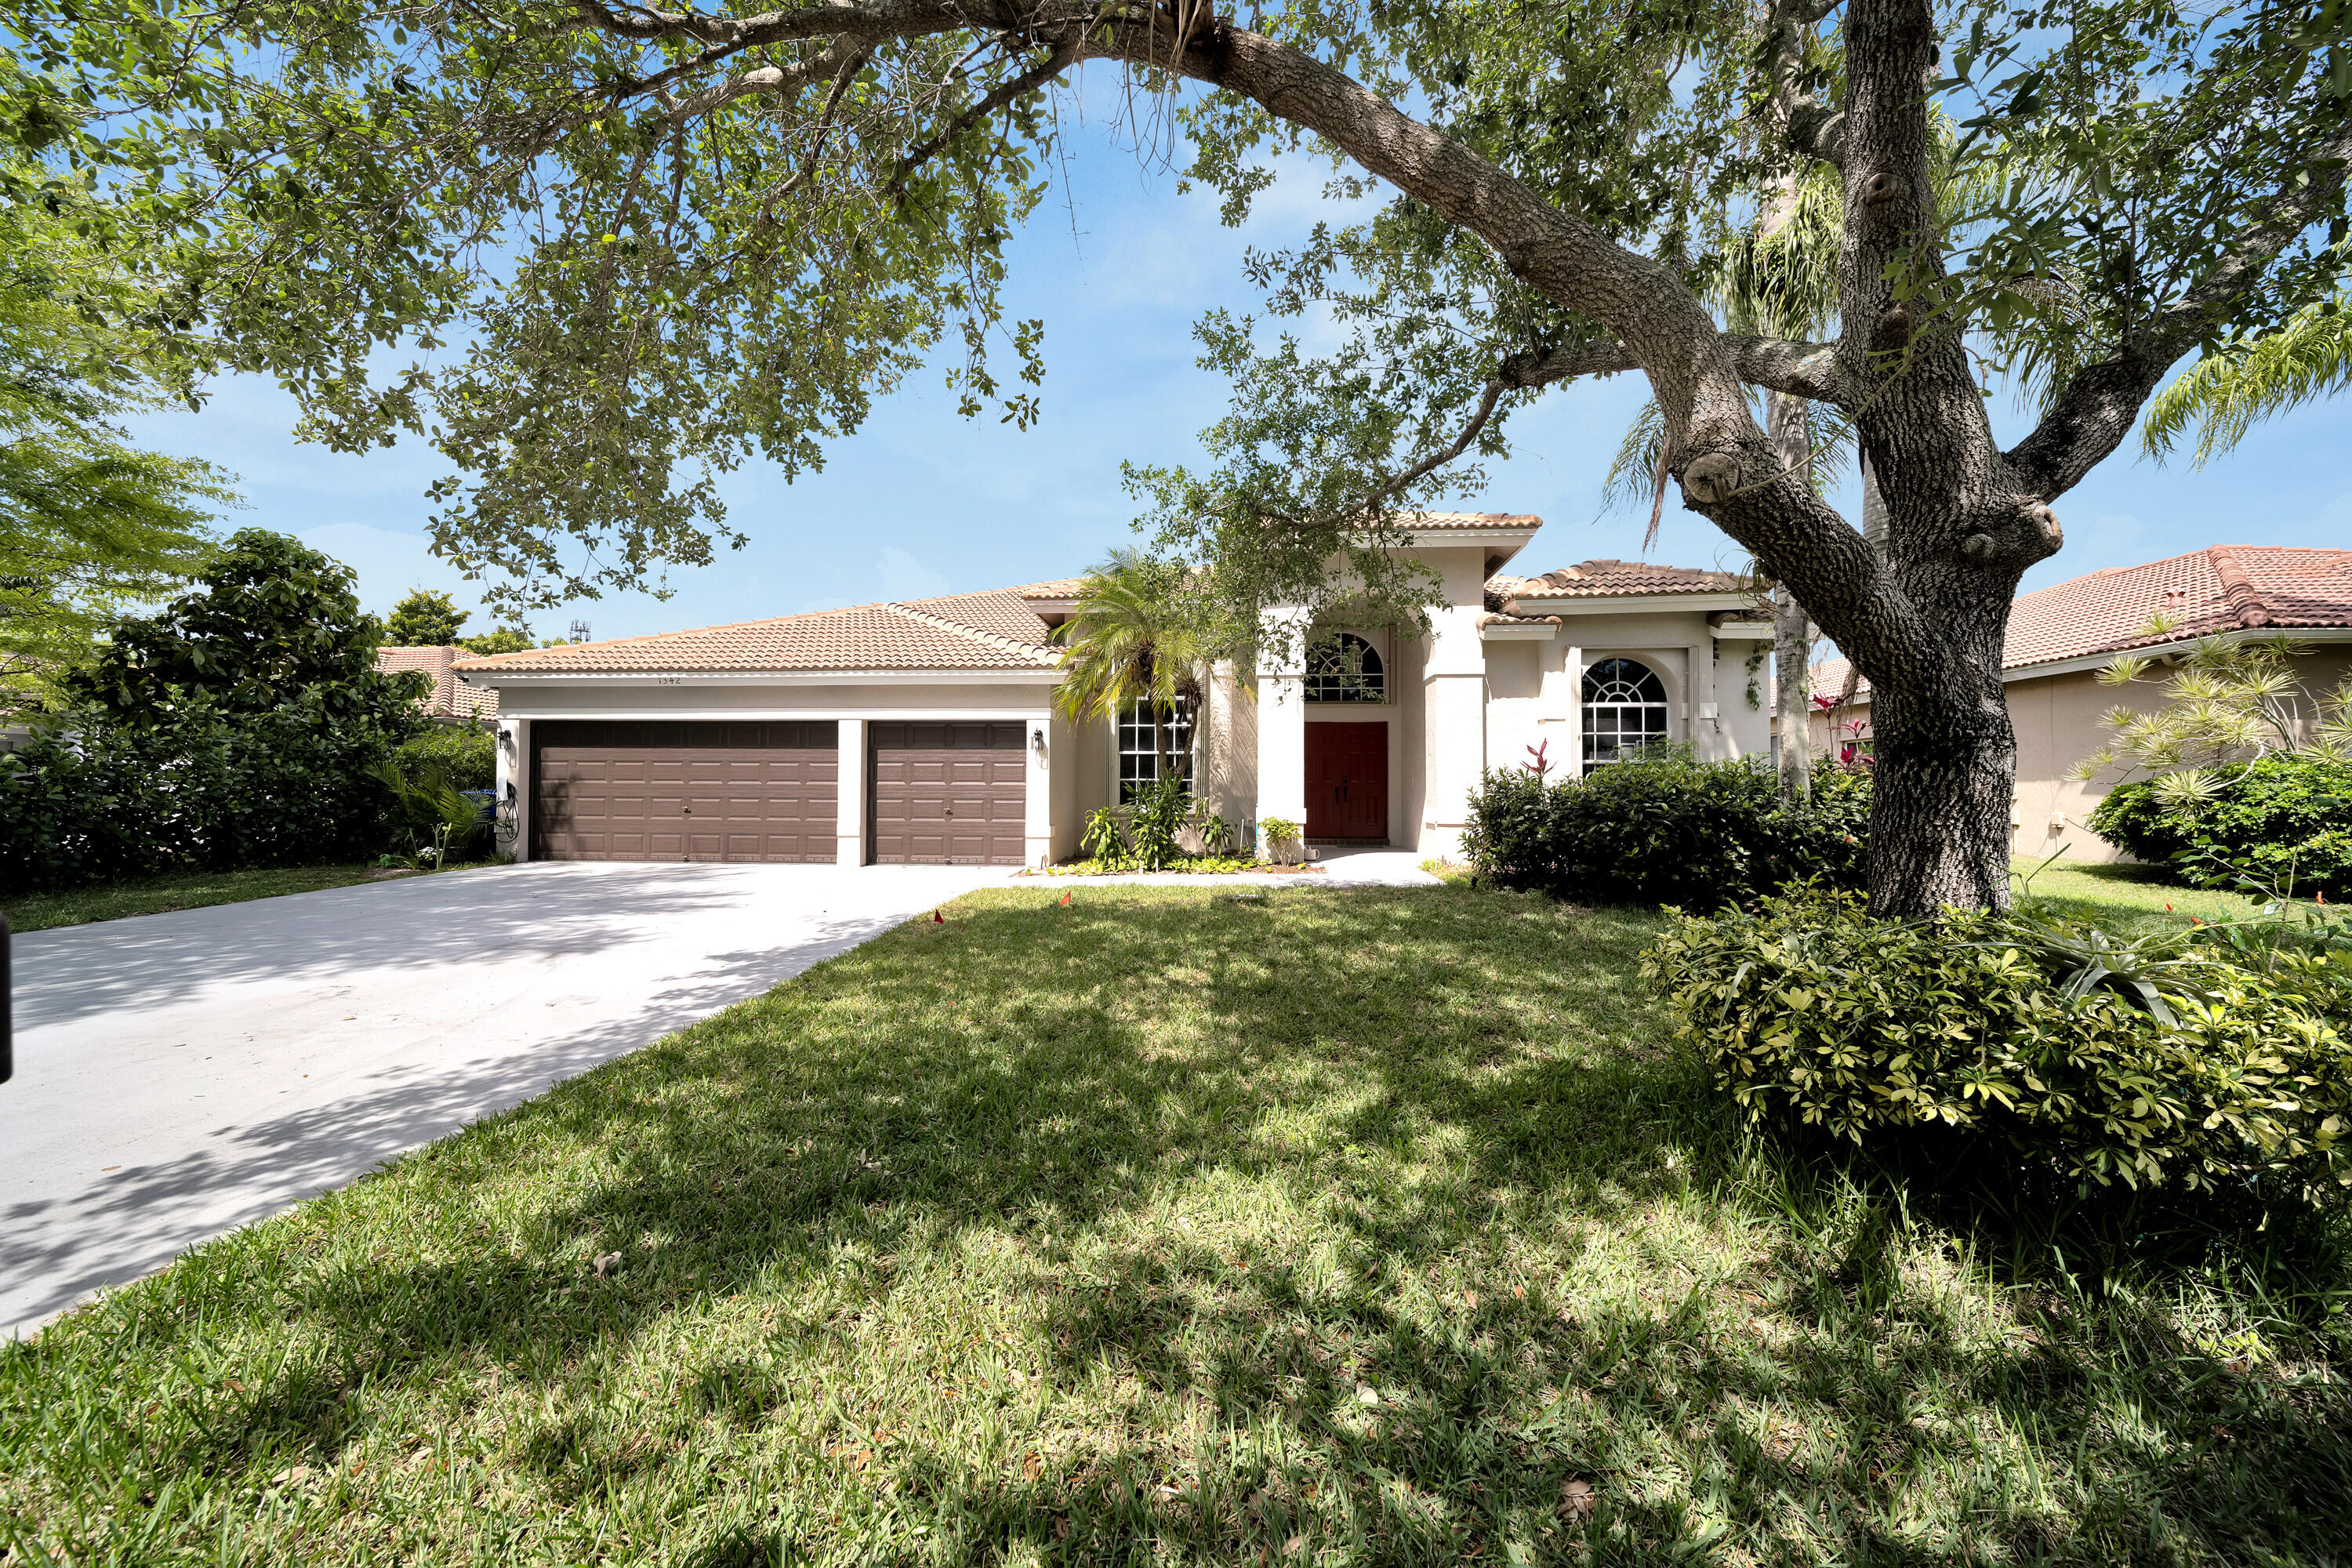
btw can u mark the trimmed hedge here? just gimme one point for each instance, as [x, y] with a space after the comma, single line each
[2184, 1059]
[90, 800]
[1667, 830]
[2284, 816]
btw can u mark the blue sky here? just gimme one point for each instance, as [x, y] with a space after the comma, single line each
[921, 502]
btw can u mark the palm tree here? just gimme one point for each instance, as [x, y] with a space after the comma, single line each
[1135, 638]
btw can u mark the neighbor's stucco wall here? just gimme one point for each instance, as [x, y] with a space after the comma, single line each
[2060, 721]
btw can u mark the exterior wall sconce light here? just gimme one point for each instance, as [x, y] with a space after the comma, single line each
[1037, 742]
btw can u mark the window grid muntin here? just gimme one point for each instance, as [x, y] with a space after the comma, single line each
[1330, 678]
[1139, 764]
[1624, 710]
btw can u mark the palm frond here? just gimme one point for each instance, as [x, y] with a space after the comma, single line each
[2246, 381]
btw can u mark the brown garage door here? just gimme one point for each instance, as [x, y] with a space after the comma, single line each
[680, 791]
[949, 794]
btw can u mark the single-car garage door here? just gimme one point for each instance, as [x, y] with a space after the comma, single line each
[684, 791]
[949, 794]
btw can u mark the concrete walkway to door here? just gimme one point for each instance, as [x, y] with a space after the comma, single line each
[180, 1075]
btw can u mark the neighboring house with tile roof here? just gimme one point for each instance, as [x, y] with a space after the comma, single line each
[2061, 637]
[924, 729]
[452, 701]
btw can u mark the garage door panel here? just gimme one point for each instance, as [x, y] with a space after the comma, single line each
[658, 790]
[949, 793]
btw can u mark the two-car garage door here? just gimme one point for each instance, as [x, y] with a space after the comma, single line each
[937, 793]
[678, 791]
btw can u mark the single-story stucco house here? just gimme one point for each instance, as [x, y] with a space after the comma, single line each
[2061, 637]
[926, 731]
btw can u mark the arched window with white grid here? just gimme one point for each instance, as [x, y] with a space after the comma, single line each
[1624, 710]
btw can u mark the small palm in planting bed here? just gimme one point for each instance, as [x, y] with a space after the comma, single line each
[2198, 1058]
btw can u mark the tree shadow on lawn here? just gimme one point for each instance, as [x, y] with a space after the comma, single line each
[1179, 1224]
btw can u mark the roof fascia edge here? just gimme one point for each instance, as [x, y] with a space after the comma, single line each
[2236, 634]
[1017, 675]
[1622, 604]
[2091, 661]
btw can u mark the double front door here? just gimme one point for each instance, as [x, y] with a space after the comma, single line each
[1347, 782]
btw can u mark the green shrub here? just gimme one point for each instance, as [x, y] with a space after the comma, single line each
[1667, 830]
[2284, 818]
[1160, 810]
[91, 799]
[2176, 1061]
[462, 756]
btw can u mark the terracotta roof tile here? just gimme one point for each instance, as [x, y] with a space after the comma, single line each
[998, 612]
[2226, 588]
[1497, 618]
[1440, 520]
[451, 698]
[1059, 589]
[1615, 579]
[994, 630]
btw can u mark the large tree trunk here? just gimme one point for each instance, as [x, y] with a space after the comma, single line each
[1941, 793]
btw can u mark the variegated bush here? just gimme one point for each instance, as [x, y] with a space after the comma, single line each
[2175, 1060]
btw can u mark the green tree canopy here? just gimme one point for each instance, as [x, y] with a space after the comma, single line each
[504, 640]
[90, 525]
[270, 625]
[425, 619]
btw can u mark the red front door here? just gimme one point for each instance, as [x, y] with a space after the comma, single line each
[1348, 780]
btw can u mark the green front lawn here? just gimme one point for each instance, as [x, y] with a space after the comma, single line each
[1305, 1226]
[2126, 897]
[178, 890]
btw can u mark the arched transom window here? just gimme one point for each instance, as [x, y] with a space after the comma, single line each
[1345, 668]
[1624, 710]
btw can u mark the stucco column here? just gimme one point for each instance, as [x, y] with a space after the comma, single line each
[1564, 714]
[513, 783]
[1037, 745]
[1453, 688]
[1282, 717]
[1705, 730]
[849, 794]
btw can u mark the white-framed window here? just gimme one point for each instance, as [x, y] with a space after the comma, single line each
[1139, 759]
[1624, 710]
[1346, 669]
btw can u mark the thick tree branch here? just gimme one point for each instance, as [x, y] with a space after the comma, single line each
[1779, 364]
[1811, 126]
[1700, 377]
[2097, 408]
[772, 81]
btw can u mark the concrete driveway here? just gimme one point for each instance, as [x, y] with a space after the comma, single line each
[180, 1075]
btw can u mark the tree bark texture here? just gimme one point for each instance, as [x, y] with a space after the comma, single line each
[1918, 602]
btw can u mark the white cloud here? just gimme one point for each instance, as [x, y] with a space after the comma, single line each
[904, 577]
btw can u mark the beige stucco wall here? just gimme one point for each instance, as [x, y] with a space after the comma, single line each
[1535, 698]
[2061, 721]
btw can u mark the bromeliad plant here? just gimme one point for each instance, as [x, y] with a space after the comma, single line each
[2168, 1062]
